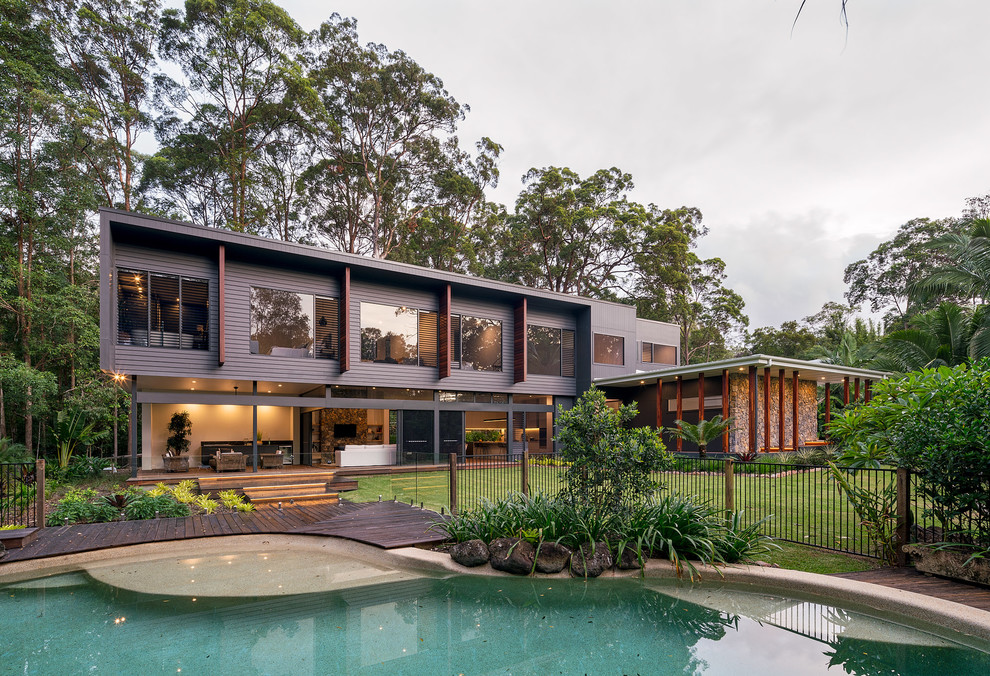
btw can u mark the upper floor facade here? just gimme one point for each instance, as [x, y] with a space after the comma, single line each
[181, 302]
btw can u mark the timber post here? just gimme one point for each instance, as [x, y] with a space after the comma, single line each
[525, 473]
[39, 494]
[903, 513]
[453, 483]
[730, 486]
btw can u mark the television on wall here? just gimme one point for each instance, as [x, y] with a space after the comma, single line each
[344, 431]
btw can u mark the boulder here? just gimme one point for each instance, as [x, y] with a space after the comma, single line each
[552, 557]
[470, 553]
[629, 560]
[512, 555]
[591, 560]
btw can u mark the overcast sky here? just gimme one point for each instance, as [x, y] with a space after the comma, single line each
[802, 150]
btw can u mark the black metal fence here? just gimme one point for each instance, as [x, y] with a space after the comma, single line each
[796, 503]
[22, 490]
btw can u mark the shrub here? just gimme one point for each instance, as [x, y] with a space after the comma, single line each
[81, 506]
[612, 466]
[673, 527]
[935, 422]
[206, 503]
[150, 505]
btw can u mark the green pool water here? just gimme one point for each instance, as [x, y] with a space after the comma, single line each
[72, 624]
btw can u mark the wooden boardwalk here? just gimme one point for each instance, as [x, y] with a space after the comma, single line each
[383, 524]
[911, 580]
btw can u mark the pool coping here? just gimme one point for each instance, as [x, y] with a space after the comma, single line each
[925, 610]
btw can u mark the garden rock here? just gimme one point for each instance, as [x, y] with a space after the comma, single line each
[591, 560]
[470, 553]
[552, 557]
[629, 560]
[512, 555]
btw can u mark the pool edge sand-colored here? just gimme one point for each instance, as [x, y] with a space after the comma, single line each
[965, 620]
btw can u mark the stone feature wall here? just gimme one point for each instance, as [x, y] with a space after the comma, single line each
[342, 416]
[739, 405]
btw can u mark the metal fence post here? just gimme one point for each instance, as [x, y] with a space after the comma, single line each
[730, 486]
[39, 495]
[453, 483]
[903, 513]
[525, 473]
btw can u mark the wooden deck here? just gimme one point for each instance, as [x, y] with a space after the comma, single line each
[383, 524]
[910, 579]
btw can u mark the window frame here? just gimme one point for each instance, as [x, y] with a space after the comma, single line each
[182, 341]
[594, 349]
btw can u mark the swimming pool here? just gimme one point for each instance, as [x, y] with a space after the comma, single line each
[376, 620]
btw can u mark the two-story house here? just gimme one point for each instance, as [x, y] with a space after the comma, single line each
[315, 351]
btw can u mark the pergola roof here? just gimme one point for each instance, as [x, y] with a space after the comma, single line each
[807, 370]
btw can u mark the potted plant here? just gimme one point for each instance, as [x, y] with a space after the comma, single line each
[179, 427]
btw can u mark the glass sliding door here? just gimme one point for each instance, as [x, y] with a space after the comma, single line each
[451, 434]
[417, 436]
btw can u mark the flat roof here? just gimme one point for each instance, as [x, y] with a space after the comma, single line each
[180, 230]
[807, 370]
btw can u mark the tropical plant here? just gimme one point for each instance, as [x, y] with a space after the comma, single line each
[71, 430]
[11, 451]
[876, 511]
[702, 433]
[936, 423]
[179, 427]
[945, 336]
[612, 466]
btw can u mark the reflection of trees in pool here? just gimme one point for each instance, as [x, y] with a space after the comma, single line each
[536, 609]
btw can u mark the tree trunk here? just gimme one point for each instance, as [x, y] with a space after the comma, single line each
[3, 416]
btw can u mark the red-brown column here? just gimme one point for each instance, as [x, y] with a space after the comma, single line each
[752, 409]
[680, 408]
[443, 333]
[345, 321]
[867, 391]
[725, 408]
[780, 410]
[856, 391]
[221, 310]
[794, 410]
[659, 406]
[701, 397]
[519, 342]
[766, 409]
[845, 391]
[828, 407]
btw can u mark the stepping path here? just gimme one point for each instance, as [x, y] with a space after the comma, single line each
[384, 524]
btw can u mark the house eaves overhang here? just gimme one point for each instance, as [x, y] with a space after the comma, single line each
[807, 370]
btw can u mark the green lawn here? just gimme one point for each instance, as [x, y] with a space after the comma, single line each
[814, 560]
[806, 507]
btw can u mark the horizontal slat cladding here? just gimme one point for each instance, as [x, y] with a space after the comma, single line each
[240, 362]
[394, 375]
[466, 379]
[136, 360]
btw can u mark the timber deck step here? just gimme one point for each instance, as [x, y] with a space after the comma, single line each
[286, 500]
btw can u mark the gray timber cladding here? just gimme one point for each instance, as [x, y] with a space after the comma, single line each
[131, 241]
[159, 360]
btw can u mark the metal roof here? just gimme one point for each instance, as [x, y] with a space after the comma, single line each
[807, 370]
[180, 230]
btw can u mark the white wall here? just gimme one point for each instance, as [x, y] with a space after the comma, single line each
[212, 423]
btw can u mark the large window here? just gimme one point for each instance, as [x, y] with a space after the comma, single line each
[654, 353]
[281, 323]
[609, 349]
[550, 351]
[480, 344]
[162, 310]
[390, 334]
